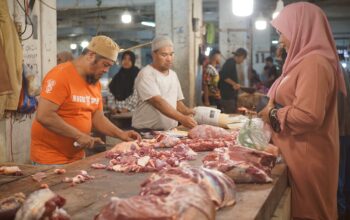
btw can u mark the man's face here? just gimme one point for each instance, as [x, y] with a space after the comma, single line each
[163, 58]
[239, 59]
[97, 67]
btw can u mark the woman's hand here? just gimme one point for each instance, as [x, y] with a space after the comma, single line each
[264, 114]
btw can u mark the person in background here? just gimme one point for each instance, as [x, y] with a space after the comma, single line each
[64, 56]
[343, 193]
[160, 105]
[228, 84]
[70, 105]
[122, 84]
[270, 72]
[211, 91]
[305, 123]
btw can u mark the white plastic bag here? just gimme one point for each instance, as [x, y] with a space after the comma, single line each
[254, 134]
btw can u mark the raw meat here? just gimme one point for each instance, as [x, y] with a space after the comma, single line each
[10, 205]
[184, 202]
[124, 147]
[82, 177]
[146, 159]
[39, 176]
[11, 170]
[220, 188]
[43, 204]
[243, 165]
[207, 131]
[59, 171]
[98, 166]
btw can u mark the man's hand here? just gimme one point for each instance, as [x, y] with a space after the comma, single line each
[130, 136]
[86, 141]
[236, 86]
[264, 114]
[188, 121]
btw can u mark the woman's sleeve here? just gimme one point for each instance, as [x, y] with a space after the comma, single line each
[313, 88]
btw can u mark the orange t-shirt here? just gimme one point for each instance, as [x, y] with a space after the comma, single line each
[77, 102]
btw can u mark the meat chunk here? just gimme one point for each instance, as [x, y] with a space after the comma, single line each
[207, 131]
[39, 176]
[10, 205]
[220, 188]
[43, 204]
[59, 171]
[177, 205]
[243, 165]
[98, 166]
[11, 170]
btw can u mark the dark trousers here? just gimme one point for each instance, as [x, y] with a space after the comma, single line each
[229, 106]
[343, 193]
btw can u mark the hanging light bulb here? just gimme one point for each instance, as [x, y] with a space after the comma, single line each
[84, 44]
[279, 7]
[242, 8]
[260, 23]
[126, 17]
[73, 46]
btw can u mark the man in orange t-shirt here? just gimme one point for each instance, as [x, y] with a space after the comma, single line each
[71, 104]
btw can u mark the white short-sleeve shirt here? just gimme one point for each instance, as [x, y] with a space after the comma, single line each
[149, 83]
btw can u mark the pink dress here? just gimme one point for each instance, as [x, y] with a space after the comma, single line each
[309, 138]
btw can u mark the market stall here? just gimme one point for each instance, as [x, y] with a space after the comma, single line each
[84, 201]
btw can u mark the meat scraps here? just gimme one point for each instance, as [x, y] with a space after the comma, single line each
[147, 159]
[39, 176]
[10, 205]
[43, 204]
[11, 170]
[82, 177]
[243, 165]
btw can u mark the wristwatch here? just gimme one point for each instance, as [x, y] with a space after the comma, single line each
[275, 124]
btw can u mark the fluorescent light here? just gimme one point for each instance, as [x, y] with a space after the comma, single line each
[84, 44]
[148, 23]
[73, 46]
[279, 7]
[207, 51]
[344, 64]
[126, 17]
[260, 24]
[275, 42]
[242, 8]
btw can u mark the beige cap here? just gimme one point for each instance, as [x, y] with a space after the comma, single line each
[160, 42]
[104, 46]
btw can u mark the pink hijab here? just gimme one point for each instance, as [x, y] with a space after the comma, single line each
[306, 27]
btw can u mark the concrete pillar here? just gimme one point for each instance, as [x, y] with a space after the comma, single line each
[39, 54]
[181, 21]
[234, 33]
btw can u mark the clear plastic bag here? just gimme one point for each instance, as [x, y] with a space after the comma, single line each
[254, 134]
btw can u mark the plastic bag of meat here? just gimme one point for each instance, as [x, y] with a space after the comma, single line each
[10, 205]
[183, 203]
[254, 134]
[243, 165]
[207, 131]
[43, 204]
[220, 188]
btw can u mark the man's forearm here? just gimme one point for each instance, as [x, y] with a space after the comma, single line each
[230, 81]
[105, 126]
[181, 107]
[164, 107]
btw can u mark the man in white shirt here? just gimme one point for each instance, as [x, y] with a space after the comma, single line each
[160, 105]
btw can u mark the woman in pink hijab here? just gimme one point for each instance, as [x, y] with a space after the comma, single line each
[306, 127]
